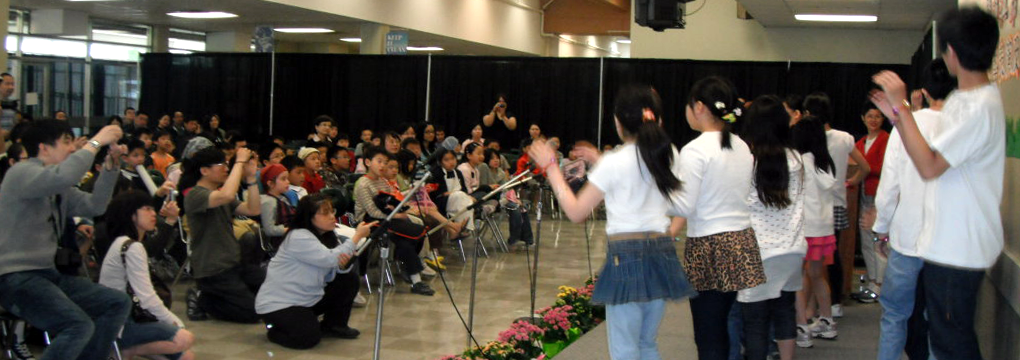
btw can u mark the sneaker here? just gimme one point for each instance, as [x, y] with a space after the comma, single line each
[875, 289]
[865, 296]
[21, 352]
[345, 332]
[422, 289]
[195, 312]
[837, 310]
[804, 337]
[824, 328]
[427, 272]
[360, 301]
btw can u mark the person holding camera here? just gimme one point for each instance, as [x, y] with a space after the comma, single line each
[499, 123]
[37, 198]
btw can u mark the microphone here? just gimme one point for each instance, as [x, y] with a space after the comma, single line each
[449, 143]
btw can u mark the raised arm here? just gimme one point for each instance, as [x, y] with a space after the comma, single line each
[576, 207]
[892, 101]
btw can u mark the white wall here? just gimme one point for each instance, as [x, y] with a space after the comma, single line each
[715, 33]
[492, 22]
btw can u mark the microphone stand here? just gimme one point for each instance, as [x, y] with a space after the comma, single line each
[538, 241]
[515, 181]
[384, 260]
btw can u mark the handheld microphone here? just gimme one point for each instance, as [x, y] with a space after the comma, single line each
[449, 143]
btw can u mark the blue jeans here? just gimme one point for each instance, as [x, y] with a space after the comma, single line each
[632, 329]
[898, 291]
[84, 317]
[951, 297]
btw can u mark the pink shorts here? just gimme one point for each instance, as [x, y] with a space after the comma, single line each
[821, 249]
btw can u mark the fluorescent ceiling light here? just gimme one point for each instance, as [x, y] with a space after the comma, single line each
[623, 41]
[304, 30]
[424, 48]
[202, 14]
[836, 18]
[351, 40]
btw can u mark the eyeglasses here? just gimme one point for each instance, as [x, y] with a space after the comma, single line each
[219, 164]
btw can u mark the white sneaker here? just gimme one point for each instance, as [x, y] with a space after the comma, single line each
[804, 336]
[837, 310]
[824, 328]
[360, 301]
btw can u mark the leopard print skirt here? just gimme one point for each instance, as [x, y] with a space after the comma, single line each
[728, 261]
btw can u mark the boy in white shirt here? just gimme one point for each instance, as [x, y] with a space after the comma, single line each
[899, 201]
[964, 163]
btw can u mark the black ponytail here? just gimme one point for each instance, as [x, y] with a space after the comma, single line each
[767, 132]
[809, 137]
[720, 97]
[636, 109]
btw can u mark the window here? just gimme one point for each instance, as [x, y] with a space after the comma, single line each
[186, 41]
[121, 34]
[31, 45]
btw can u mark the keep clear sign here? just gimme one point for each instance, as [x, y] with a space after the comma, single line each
[396, 43]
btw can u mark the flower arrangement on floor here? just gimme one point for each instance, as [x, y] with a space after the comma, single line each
[561, 324]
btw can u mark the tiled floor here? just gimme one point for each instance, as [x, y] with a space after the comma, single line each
[419, 327]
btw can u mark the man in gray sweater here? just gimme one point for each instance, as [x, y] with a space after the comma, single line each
[36, 199]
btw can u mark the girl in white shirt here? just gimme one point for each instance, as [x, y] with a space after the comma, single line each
[130, 218]
[642, 269]
[721, 252]
[819, 181]
[777, 217]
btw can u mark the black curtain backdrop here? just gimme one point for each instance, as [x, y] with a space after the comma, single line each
[561, 95]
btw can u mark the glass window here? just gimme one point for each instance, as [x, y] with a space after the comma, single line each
[186, 41]
[114, 88]
[17, 22]
[121, 34]
[116, 52]
[11, 44]
[53, 47]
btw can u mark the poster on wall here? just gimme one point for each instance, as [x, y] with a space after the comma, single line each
[396, 43]
[263, 39]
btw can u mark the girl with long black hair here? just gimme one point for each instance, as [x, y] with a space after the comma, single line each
[777, 217]
[642, 269]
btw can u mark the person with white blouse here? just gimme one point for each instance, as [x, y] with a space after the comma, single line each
[131, 219]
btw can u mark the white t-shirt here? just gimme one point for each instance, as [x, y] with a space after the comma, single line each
[715, 185]
[840, 144]
[900, 195]
[633, 202]
[962, 222]
[781, 231]
[818, 200]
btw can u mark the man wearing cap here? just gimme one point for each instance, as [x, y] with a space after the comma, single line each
[313, 163]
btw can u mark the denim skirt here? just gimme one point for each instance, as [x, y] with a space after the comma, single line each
[639, 270]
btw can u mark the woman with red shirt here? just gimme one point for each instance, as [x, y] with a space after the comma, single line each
[873, 148]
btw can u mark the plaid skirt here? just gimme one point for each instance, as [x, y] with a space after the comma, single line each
[728, 261]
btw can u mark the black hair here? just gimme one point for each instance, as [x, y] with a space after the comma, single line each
[470, 148]
[121, 209]
[405, 160]
[502, 95]
[438, 127]
[140, 113]
[392, 134]
[809, 137]
[306, 210]
[46, 131]
[937, 80]
[720, 98]
[292, 162]
[409, 141]
[266, 150]
[442, 153]
[402, 127]
[317, 144]
[653, 145]
[133, 143]
[371, 151]
[142, 131]
[5, 74]
[321, 119]
[868, 106]
[973, 34]
[767, 132]
[331, 153]
[526, 142]
[193, 166]
[342, 136]
[794, 101]
[111, 119]
[490, 154]
[235, 137]
[13, 153]
[817, 104]
[161, 133]
[207, 120]
[129, 108]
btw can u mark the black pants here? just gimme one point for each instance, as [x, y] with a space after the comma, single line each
[917, 326]
[298, 327]
[520, 227]
[406, 252]
[836, 275]
[760, 316]
[951, 298]
[710, 311]
[230, 295]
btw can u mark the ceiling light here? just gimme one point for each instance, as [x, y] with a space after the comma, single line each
[303, 30]
[424, 48]
[836, 18]
[202, 14]
[351, 40]
[623, 41]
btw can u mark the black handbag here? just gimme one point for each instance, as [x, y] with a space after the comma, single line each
[138, 313]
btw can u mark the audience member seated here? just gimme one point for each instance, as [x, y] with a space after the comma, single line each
[313, 163]
[38, 198]
[323, 125]
[309, 276]
[156, 331]
[277, 210]
[423, 207]
[225, 288]
[339, 167]
[366, 190]
[490, 173]
[296, 175]
[448, 190]
[365, 141]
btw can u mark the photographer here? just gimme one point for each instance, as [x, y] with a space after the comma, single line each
[506, 129]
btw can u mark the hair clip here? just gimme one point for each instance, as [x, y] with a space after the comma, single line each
[738, 111]
[647, 115]
[719, 105]
[730, 118]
